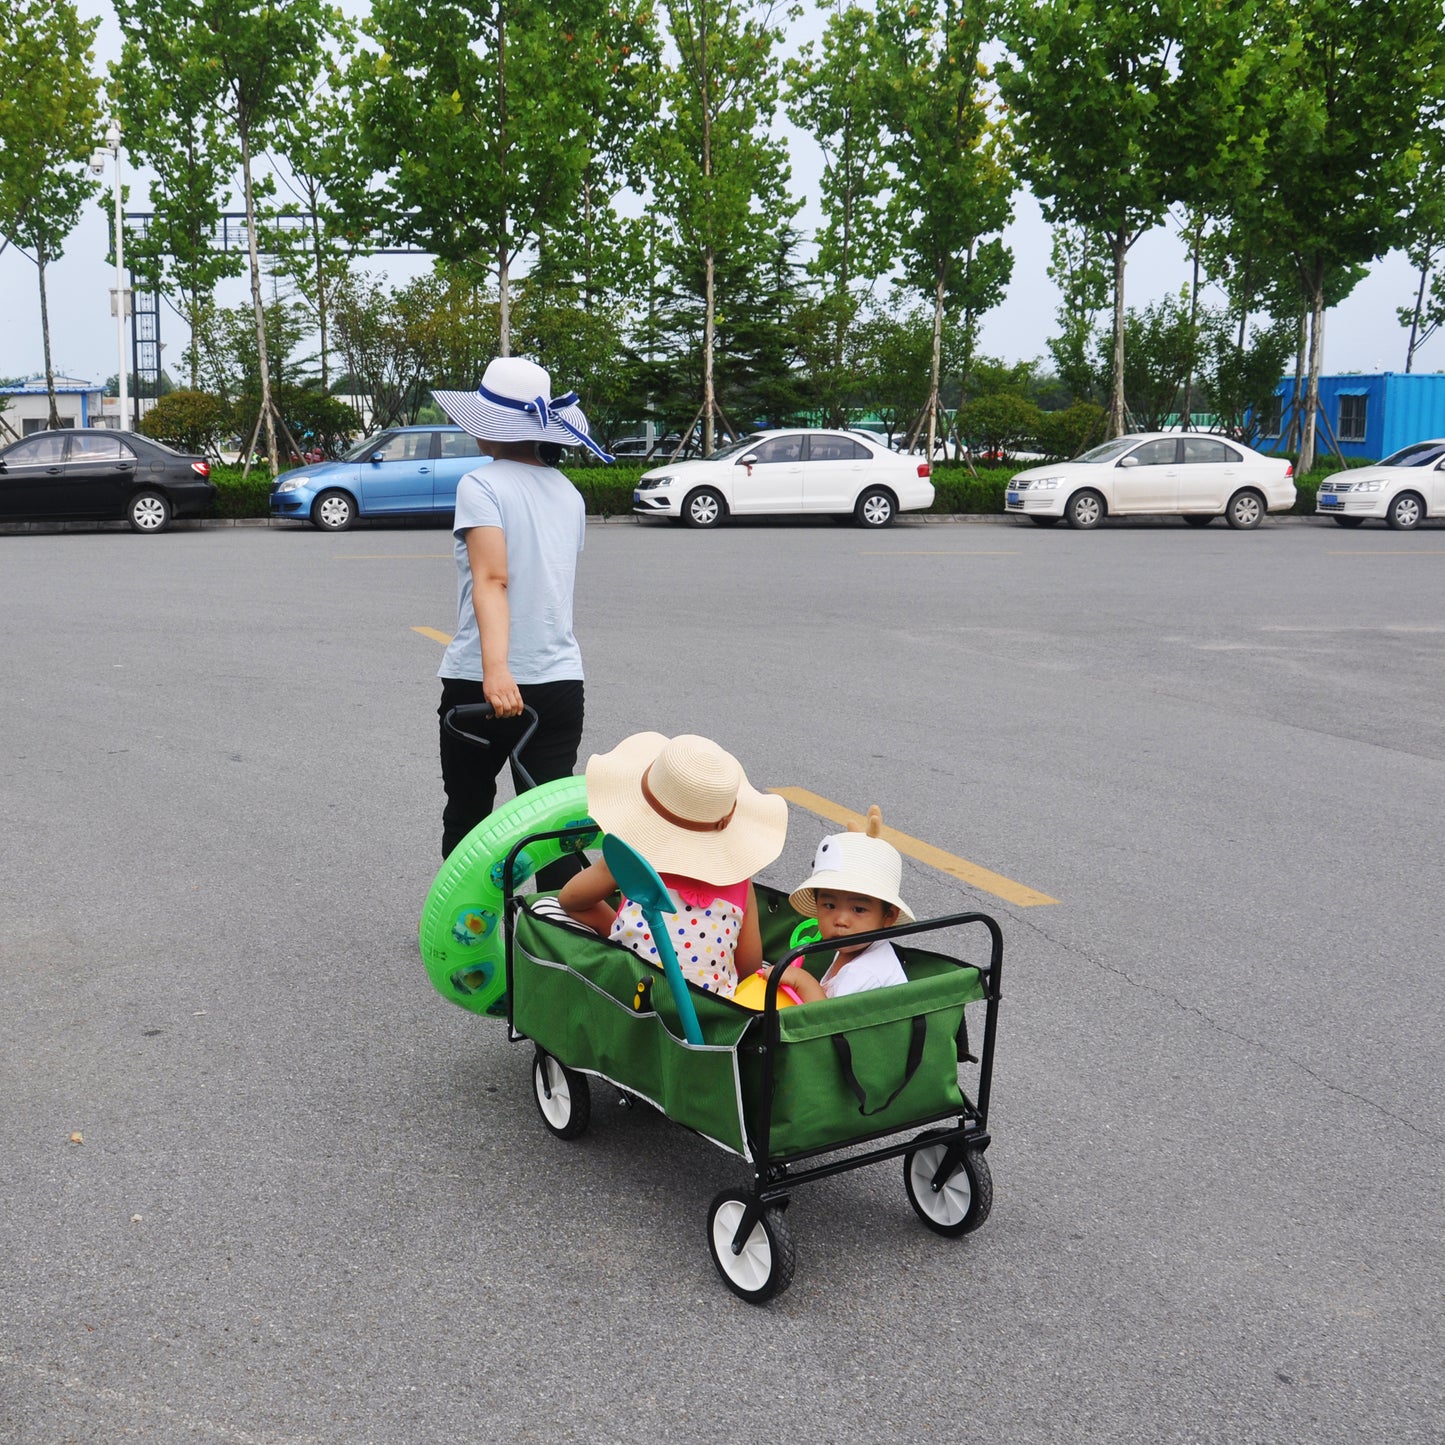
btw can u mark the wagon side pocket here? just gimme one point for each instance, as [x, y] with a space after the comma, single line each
[885, 1067]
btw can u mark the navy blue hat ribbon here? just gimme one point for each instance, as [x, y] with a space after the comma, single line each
[546, 413]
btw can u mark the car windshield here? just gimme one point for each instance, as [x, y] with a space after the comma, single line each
[1107, 451]
[1422, 454]
[733, 448]
[362, 450]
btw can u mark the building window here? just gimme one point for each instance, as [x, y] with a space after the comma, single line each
[1273, 416]
[31, 424]
[1352, 418]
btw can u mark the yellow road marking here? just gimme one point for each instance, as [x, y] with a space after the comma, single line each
[971, 873]
[435, 636]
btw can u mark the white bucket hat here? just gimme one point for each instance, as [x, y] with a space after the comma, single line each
[685, 804]
[514, 403]
[854, 863]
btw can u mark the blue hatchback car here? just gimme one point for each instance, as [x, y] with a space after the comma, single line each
[407, 470]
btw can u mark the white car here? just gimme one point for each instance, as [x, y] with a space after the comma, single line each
[778, 472]
[1189, 474]
[1403, 489]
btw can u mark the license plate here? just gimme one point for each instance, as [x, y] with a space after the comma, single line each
[1330, 502]
[1014, 499]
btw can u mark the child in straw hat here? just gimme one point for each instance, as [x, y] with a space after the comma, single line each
[686, 806]
[853, 890]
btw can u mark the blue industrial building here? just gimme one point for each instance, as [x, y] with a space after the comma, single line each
[1369, 415]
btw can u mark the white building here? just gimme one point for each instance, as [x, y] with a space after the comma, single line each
[79, 403]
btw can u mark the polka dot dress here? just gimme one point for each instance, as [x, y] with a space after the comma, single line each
[705, 938]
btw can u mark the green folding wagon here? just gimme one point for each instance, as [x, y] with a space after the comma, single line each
[798, 1094]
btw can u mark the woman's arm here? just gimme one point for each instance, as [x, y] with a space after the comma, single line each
[487, 557]
[584, 896]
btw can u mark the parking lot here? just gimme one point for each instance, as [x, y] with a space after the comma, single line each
[261, 1184]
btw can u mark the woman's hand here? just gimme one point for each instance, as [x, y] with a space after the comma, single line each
[500, 689]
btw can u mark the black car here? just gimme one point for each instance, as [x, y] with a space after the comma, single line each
[88, 474]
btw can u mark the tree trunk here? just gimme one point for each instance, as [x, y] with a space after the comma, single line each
[1312, 388]
[1415, 320]
[1296, 400]
[709, 326]
[54, 422]
[1187, 411]
[1119, 244]
[935, 364]
[262, 364]
[504, 302]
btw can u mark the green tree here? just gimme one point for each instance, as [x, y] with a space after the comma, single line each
[1097, 95]
[190, 421]
[1353, 85]
[250, 60]
[1080, 270]
[1160, 343]
[1424, 238]
[950, 163]
[49, 123]
[484, 118]
[718, 176]
[164, 97]
[831, 94]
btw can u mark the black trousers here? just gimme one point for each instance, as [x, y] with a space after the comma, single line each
[469, 773]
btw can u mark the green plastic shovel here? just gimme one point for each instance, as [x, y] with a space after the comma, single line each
[638, 880]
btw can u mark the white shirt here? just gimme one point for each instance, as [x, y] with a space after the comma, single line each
[878, 966]
[544, 520]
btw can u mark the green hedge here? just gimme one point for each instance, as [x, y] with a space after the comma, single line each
[608, 491]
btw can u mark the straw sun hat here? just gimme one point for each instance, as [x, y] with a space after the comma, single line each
[854, 863]
[686, 806]
[514, 403]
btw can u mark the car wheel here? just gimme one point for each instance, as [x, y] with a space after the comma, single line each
[1046, 521]
[703, 508]
[763, 1266]
[1085, 511]
[1405, 513]
[148, 512]
[1348, 521]
[875, 508]
[333, 512]
[1193, 519]
[953, 1202]
[1245, 511]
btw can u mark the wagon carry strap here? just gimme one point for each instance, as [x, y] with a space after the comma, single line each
[915, 1057]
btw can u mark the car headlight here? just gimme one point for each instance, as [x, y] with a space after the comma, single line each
[650, 484]
[1369, 486]
[291, 484]
[1044, 484]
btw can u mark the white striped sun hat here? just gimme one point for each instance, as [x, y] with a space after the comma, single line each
[514, 403]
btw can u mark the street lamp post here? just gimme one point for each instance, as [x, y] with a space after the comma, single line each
[120, 296]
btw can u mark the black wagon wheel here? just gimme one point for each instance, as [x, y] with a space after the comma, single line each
[1405, 513]
[949, 1204]
[148, 512]
[1245, 510]
[875, 508]
[333, 511]
[1198, 519]
[763, 1266]
[1085, 510]
[704, 508]
[563, 1098]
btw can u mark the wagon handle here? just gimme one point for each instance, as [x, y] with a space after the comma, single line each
[475, 712]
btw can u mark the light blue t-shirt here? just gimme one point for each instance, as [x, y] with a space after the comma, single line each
[544, 520]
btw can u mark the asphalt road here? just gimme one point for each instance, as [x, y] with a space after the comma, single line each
[258, 1183]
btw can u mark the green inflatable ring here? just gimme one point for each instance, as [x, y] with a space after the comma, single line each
[461, 933]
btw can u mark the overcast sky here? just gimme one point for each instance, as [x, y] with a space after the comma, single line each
[1361, 335]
